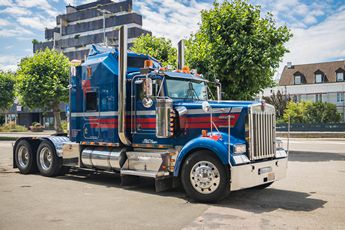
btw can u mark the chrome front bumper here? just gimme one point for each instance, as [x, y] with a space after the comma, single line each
[250, 175]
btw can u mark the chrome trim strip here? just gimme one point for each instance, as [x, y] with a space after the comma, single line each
[95, 114]
[146, 113]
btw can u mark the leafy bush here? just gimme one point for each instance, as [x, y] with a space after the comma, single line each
[311, 112]
[64, 126]
[12, 127]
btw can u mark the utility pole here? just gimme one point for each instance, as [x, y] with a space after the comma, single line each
[104, 12]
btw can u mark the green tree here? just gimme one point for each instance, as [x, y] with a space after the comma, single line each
[239, 47]
[42, 82]
[297, 112]
[311, 113]
[323, 112]
[7, 90]
[159, 48]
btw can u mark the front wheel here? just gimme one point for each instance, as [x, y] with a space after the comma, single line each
[204, 177]
[48, 163]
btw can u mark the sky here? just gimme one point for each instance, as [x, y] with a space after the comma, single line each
[318, 26]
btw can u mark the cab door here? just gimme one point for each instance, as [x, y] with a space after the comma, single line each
[144, 123]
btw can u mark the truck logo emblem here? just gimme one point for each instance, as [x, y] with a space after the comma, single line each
[149, 141]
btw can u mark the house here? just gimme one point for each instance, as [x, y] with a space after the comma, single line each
[323, 82]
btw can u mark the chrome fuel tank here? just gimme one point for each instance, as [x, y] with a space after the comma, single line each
[103, 158]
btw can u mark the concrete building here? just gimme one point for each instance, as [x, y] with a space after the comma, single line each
[92, 23]
[75, 31]
[313, 82]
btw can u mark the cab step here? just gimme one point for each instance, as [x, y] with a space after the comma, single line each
[129, 172]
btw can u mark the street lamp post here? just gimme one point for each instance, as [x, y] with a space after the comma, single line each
[104, 12]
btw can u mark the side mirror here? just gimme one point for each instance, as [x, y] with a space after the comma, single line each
[206, 106]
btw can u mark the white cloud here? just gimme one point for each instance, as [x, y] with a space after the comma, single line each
[296, 13]
[9, 62]
[14, 10]
[37, 23]
[17, 31]
[70, 2]
[321, 42]
[5, 3]
[171, 18]
[40, 4]
[4, 22]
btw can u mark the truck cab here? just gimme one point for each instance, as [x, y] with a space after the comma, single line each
[128, 115]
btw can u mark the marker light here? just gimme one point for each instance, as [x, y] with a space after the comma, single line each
[185, 69]
[148, 64]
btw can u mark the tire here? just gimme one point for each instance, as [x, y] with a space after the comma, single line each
[24, 157]
[262, 186]
[211, 186]
[48, 163]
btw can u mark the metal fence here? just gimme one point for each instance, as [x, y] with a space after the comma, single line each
[335, 127]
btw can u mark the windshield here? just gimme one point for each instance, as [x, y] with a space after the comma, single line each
[184, 89]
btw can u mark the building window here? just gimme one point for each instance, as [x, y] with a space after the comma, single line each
[318, 98]
[318, 78]
[298, 80]
[340, 76]
[340, 97]
[297, 98]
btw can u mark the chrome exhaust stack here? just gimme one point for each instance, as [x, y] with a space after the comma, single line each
[180, 54]
[122, 59]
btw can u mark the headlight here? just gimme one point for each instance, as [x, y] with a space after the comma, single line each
[279, 144]
[240, 148]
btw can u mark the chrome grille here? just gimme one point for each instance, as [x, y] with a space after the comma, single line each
[262, 124]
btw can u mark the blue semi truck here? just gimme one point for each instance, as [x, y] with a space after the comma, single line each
[128, 115]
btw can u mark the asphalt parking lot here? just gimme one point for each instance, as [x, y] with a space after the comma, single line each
[311, 197]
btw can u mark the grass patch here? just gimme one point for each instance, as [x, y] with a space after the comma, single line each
[12, 127]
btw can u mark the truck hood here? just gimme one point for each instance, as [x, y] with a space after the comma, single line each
[216, 104]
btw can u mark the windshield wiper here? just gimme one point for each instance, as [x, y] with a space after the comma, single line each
[191, 91]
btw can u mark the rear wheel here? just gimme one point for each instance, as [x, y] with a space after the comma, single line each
[204, 177]
[24, 157]
[48, 163]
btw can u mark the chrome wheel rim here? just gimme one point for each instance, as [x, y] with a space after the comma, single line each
[23, 156]
[46, 158]
[205, 177]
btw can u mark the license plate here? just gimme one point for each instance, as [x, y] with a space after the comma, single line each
[265, 170]
[270, 176]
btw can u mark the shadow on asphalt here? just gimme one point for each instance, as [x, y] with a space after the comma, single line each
[253, 200]
[315, 156]
[270, 199]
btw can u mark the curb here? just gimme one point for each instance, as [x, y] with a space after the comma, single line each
[8, 138]
[312, 134]
[311, 152]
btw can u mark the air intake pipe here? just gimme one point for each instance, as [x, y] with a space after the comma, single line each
[122, 74]
[180, 54]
